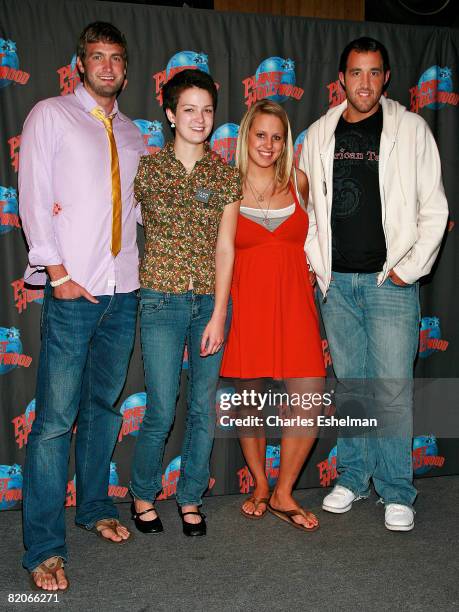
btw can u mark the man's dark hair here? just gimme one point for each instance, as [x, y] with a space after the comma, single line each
[364, 45]
[100, 31]
[185, 79]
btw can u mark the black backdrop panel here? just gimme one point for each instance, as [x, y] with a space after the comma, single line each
[291, 60]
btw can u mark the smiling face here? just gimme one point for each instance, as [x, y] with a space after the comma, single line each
[104, 70]
[364, 82]
[193, 117]
[266, 140]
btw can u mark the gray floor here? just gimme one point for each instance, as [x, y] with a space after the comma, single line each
[351, 563]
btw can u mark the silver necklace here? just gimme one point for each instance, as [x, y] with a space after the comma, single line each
[260, 196]
[264, 211]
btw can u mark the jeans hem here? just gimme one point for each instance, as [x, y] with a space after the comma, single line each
[50, 553]
[91, 524]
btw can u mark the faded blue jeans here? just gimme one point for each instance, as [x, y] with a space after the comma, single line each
[167, 321]
[373, 334]
[84, 357]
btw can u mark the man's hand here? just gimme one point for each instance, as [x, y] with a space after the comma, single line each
[71, 291]
[396, 279]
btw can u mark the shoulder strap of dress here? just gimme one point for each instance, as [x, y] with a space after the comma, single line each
[297, 192]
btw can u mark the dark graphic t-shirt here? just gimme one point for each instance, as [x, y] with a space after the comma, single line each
[358, 243]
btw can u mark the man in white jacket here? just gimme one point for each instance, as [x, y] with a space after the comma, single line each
[377, 214]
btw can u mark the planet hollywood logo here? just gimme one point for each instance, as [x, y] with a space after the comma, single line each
[9, 210]
[336, 94]
[275, 80]
[430, 337]
[23, 296]
[434, 90]
[68, 77]
[219, 411]
[10, 486]
[327, 469]
[178, 62]
[224, 140]
[9, 65]
[23, 425]
[15, 144]
[133, 409]
[152, 134]
[272, 465]
[114, 487]
[170, 479]
[298, 147]
[328, 362]
[11, 355]
[425, 455]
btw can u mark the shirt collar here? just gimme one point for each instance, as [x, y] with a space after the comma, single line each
[204, 161]
[89, 104]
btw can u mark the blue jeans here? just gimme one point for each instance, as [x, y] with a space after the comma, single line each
[167, 320]
[83, 363]
[373, 334]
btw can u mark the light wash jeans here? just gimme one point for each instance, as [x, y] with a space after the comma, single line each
[167, 320]
[84, 357]
[373, 334]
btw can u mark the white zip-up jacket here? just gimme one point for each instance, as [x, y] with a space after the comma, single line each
[414, 206]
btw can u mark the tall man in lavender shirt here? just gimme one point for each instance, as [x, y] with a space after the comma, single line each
[67, 205]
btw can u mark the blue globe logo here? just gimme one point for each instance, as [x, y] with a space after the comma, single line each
[30, 409]
[224, 140]
[275, 70]
[442, 81]
[298, 146]
[429, 447]
[272, 464]
[187, 59]
[152, 132]
[333, 456]
[11, 485]
[8, 206]
[172, 473]
[430, 328]
[8, 57]
[73, 62]
[10, 340]
[136, 400]
[113, 478]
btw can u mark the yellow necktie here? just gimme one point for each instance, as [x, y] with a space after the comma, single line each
[99, 114]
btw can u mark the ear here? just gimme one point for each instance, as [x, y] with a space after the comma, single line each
[387, 77]
[170, 115]
[125, 82]
[341, 80]
[80, 65]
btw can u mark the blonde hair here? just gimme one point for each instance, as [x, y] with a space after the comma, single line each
[284, 163]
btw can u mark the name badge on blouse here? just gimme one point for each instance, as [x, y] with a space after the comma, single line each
[203, 195]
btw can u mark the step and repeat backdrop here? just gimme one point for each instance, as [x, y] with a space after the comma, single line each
[290, 60]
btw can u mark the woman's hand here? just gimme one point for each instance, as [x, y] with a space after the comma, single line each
[213, 336]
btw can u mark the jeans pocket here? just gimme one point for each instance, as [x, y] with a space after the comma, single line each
[151, 301]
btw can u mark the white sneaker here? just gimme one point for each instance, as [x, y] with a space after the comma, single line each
[398, 517]
[339, 500]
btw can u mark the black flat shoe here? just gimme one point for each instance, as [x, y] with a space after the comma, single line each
[153, 526]
[192, 529]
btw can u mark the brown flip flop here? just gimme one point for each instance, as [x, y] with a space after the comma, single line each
[256, 501]
[287, 516]
[49, 566]
[109, 524]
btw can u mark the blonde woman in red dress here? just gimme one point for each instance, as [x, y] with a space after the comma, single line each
[275, 331]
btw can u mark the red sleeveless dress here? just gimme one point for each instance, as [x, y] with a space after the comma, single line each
[275, 329]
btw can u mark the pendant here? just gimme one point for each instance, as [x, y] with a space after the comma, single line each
[266, 222]
[260, 198]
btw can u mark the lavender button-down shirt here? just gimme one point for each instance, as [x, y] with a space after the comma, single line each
[65, 194]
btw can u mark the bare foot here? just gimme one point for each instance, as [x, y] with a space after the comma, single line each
[113, 531]
[50, 575]
[287, 502]
[250, 506]
[141, 506]
[194, 519]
